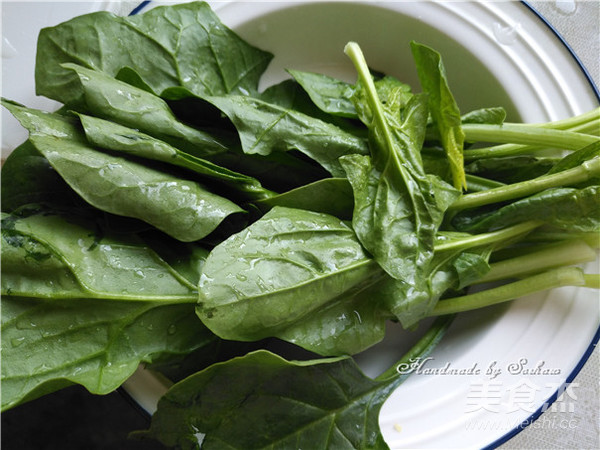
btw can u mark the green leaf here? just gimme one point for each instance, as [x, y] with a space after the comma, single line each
[511, 169]
[347, 325]
[448, 271]
[264, 401]
[495, 115]
[442, 107]
[50, 344]
[395, 213]
[565, 208]
[176, 45]
[108, 98]
[290, 94]
[279, 271]
[181, 208]
[576, 158]
[265, 128]
[329, 94]
[55, 256]
[28, 177]
[112, 136]
[330, 196]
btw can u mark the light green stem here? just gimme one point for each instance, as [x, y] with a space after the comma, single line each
[422, 348]
[488, 238]
[527, 134]
[584, 172]
[562, 254]
[565, 276]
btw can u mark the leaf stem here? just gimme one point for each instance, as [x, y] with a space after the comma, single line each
[584, 172]
[422, 348]
[591, 116]
[352, 49]
[564, 276]
[504, 150]
[592, 280]
[477, 183]
[488, 238]
[516, 133]
[561, 254]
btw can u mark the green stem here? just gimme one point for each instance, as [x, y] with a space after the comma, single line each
[500, 151]
[527, 134]
[592, 280]
[423, 347]
[352, 49]
[488, 238]
[591, 116]
[586, 123]
[584, 172]
[504, 150]
[561, 254]
[591, 238]
[565, 276]
[477, 184]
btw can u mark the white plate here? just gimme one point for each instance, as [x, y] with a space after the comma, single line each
[496, 53]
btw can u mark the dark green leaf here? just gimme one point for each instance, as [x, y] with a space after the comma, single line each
[329, 195]
[442, 107]
[112, 136]
[511, 169]
[395, 212]
[176, 45]
[575, 158]
[181, 208]
[265, 128]
[329, 94]
[565, 208]
[494, 116]
[114, 100]
[49, 344]
[48, 255]
[264, 401]
[279, 271]
[28, 177]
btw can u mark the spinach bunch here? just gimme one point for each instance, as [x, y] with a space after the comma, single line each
[171, 214]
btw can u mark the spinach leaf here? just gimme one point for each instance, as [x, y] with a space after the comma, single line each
[494, 115]
[289, 94]
[28, 177]
[50, 344]
[347, 325]
[395, 213]
[108, 98]
[511, 169]
[576, 158]
[274, 404]
[329, 195]
[185, 258]
[53, 256]
[335, 97]
[448, 271]
[181, 208]
[329, 94]
[442, 107]
[111, 136]
[176, 45]
[278, 171]
[279, 271]
[570, 209]
[265, 128]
